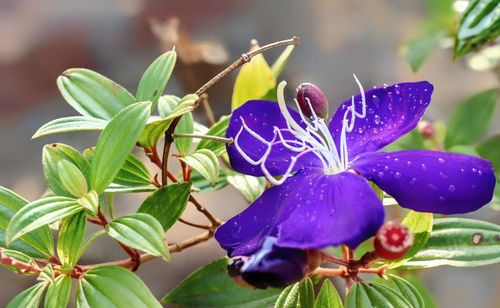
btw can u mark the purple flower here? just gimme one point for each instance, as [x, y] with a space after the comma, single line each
[321, 195]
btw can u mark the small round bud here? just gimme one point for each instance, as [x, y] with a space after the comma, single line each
[426, 129]
[309, 95]
[392, 241]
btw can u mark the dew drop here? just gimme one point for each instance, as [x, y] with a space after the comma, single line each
[441, 160]
[441, 198]
[408, 163]
[432, 186]
[360, 130]
[413, 181]
[380, 174]
[474, 170]
[397, 175]
[451, 188]
[376, 119]
[424, 167]
[386, 168]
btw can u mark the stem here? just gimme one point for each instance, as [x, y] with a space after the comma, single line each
[207, 137]
[330, 272]
[21, 266]
[173, 248]
[192, 224]
[215, 222]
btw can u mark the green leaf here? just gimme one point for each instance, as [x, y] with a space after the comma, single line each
[37, 244]
[116, 142]
[464, 149]
[249, 186]
[459, 242]
[210, 286]
[369, 294]
[422, 290]
[140, 231]
[289, 297]
[306, 293]
[280, 63]
[479, 24]
[471, 118]
[55, 153]
[441, 12]
[170, 107]
[71, 235]
[412, 140]
[167, 203]
[185, 126]
[406, 289]
[90, 202]
[200, 184]
[328, 296]
[490, 150]
[72, 179]
[40, 213]
[155, 78]
[218, 129]
[133, 176]
[206, 163]
[29, 298]
[420, 225]
[417, 50]
[92, 94]
[58, 293]
[254, 81]
[113, 286]
[70, 124]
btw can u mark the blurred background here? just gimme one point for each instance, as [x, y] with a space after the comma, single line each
[39, 39]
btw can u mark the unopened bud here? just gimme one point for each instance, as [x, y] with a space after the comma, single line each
[426, 129]
[392, 241]
[310, 96]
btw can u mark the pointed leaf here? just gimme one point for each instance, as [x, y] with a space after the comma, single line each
[92, 94]
[254, 81]
[471, 119]
[280, 63]
[422, 290]
[210, 286]
[403, 287]
[70, 239]
[113, 286]
[371, 295]
[37, 244]
[205, 162]
[420, 225]
[170, 107]
[140, 231]
[58, 293]
[218, 129]
[155, 78]
[328, 296]
[70, 124]
[55, 153]
[306, 293]
[289, 297]
[167, 203]
[72, 179]
[479, 24]
[249, 186]
[116, 142]
[458, 242]
[40, 213]
[29, 298]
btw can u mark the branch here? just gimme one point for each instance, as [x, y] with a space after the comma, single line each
[207, 137]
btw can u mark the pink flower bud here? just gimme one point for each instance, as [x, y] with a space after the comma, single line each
[392, 241]
[309, 95]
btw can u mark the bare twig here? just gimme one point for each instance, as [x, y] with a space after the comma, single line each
[208, 109]
[207, 137]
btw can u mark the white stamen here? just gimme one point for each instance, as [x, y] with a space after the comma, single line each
[314, 138]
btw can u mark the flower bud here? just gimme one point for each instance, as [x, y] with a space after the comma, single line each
[308, 95]
[426, 129]
[273, 266]
[392, 241]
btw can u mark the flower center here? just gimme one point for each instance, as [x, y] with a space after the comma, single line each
[314, 138]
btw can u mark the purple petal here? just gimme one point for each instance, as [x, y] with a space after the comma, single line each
[262, 117]
[391, 112]
[332, 210]
[431, 181]
[243, 234]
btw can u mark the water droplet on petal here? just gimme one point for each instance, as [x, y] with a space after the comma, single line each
[380, 174]
[451, 188]
[424, 167]
[397, 175]
[413, 181]
[376, 119]
[441, 160]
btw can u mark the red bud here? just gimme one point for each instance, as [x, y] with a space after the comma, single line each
[307, 91]
[392, 241]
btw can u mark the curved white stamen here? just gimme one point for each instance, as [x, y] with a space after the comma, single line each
[312, 137]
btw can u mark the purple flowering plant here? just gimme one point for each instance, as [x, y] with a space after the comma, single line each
[367, 194]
